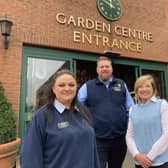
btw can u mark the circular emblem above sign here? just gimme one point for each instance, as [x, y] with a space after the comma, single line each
[110, 9]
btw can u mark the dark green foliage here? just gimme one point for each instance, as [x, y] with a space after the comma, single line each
[7, 119]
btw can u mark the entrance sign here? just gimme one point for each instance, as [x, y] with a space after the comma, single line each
[94, 32]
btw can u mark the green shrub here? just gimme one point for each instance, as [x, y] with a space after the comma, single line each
[7, 119]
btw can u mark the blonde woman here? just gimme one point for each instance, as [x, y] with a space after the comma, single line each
[147, 132]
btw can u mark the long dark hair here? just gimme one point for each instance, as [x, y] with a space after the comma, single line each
[50, 96]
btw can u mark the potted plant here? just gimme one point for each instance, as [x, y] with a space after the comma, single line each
[9, 142]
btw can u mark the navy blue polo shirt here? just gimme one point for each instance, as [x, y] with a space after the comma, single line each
[61, 143]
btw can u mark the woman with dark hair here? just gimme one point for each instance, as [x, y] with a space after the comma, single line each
[60, 135]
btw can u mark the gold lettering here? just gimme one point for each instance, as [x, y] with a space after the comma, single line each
[89, 24]
[150, 38]
[123, 44]
[76, 36]
[125, 31]
[132, 46]
[106, 41]
[97, 38]
[117, 30]
[80, 22]
[139, 34]
[87, 38]
[98, 26]
[139, 47]
[107, 28]
[132, 33]
[82, 37]
[60, 18]
[71, 20]
[114, 43]
[145, 36]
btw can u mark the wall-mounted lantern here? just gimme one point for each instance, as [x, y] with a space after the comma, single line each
[5, 27]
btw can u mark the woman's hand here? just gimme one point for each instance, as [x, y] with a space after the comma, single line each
[143, 160]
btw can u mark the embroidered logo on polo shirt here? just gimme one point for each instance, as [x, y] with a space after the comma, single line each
[63, 124]
[118, 87]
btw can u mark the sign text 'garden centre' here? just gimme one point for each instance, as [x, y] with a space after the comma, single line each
[99, 33]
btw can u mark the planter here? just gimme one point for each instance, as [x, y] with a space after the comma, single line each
[8, 153]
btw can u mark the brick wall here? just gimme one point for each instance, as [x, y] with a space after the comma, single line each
[35, 23]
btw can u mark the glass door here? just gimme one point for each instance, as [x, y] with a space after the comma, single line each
[37, 69]
[129, 70]
[127, 73]
[86, 70]
[39, 72]
[39, 64]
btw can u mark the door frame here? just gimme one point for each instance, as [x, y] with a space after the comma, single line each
[148, 65]
[34, 52]
[72, 57]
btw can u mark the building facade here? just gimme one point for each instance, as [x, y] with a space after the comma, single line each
[51, 34]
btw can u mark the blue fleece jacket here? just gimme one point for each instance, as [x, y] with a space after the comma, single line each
[107, 106]
[60, 143]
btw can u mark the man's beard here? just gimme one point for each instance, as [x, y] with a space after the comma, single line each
[105, 77]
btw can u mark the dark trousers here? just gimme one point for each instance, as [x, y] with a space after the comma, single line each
[111, 151]
[161, 166]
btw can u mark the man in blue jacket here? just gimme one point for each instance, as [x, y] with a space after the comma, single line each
[109, 101]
